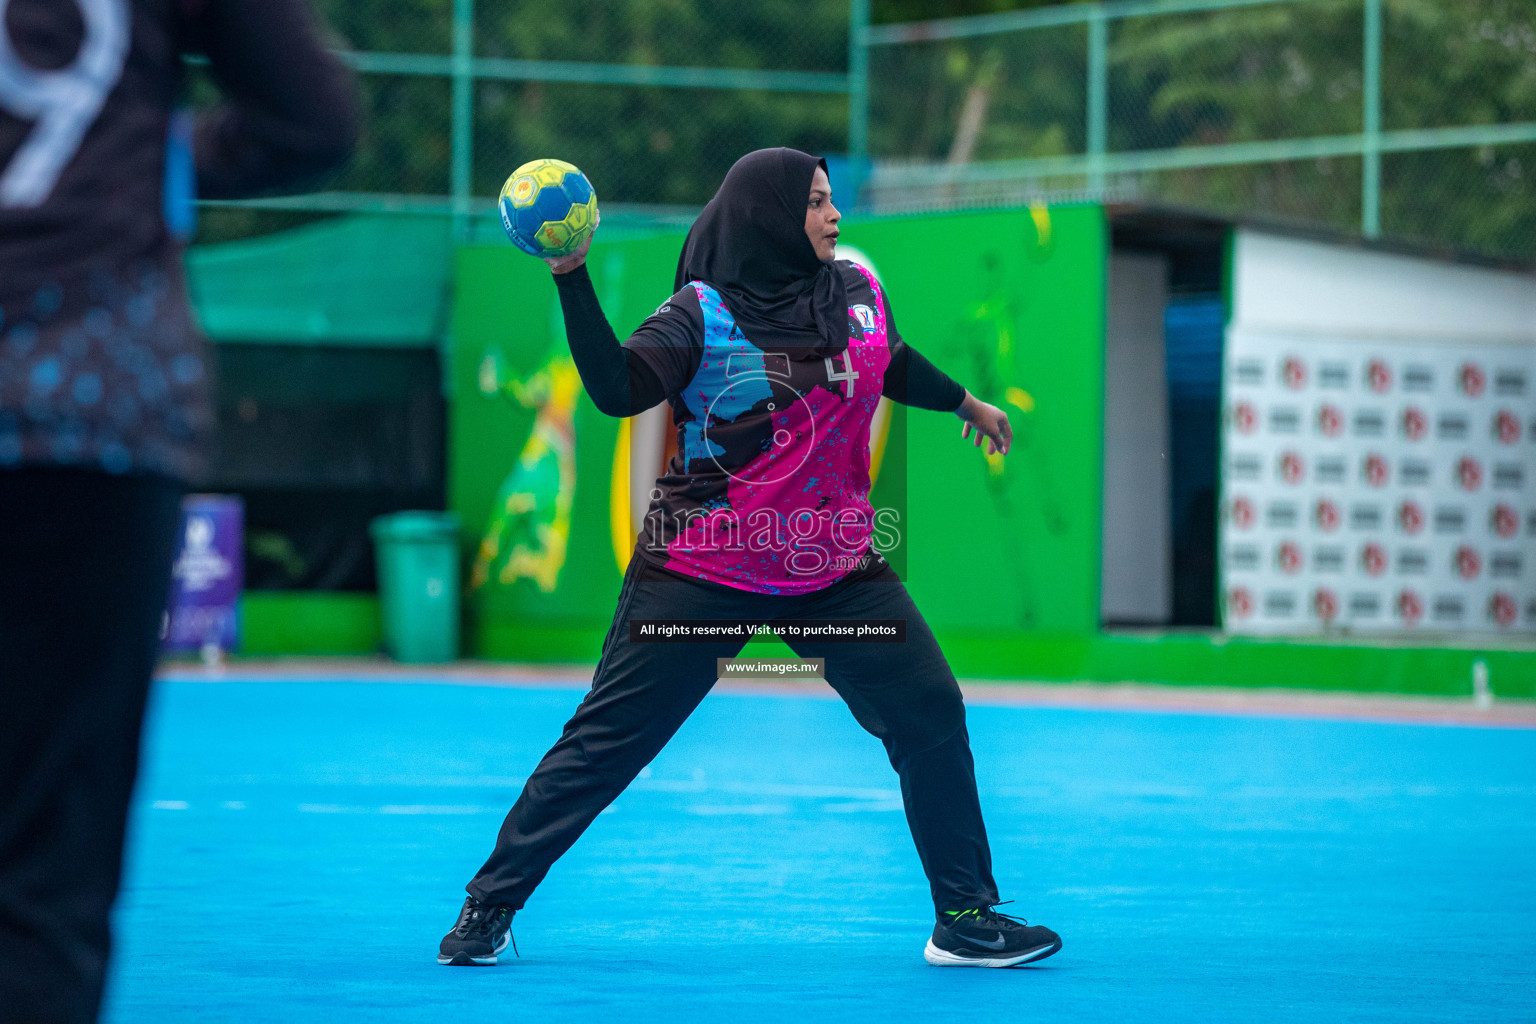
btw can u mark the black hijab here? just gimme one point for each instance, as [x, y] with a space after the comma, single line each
[750, 245]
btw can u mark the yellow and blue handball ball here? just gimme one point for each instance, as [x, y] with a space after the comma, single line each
[548, 208]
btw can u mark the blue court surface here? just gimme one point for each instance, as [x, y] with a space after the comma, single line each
[299, 848]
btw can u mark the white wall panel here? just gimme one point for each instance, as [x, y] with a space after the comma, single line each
[1378, 443]
[1137, 540]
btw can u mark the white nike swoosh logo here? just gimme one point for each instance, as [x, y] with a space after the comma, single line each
[992, 945]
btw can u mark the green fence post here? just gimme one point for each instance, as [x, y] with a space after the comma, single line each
[1370, 185]
[1098, 97]
[858, 91]
[462, 131]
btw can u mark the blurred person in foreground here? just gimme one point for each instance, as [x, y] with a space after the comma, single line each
[104, 413]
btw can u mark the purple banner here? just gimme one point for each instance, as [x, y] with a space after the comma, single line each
[208, 575]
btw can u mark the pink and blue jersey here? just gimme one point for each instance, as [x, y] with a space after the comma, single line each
[769, 491]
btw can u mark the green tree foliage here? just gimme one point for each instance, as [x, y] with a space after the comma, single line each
[1294, 70]
[886, 11]
[1274, 71]
[1271, 72]
[1454, 62]
[1033, 86]
[637, 144]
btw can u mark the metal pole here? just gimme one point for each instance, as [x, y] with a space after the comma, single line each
[1098, 97]
[858, 93]
[462, 131]
[1370, 185]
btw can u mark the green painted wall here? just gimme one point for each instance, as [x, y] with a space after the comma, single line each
[1021, 308]
[1003, 300]
[280, 622]
[506, 310]
[1211, 659]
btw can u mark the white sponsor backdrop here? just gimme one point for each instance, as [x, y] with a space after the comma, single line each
[1378, 481]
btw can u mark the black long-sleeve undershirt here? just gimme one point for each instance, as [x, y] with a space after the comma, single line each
[619, 380]
[622, 382]
[911, 379]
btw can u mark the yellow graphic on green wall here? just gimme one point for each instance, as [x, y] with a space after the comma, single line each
[985, 339]
[530, 523]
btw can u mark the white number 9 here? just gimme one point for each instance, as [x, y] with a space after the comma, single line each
[62, 102]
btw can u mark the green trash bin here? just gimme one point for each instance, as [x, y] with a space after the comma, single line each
[418, 563]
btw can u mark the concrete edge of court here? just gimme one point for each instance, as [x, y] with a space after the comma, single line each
[1502, 712]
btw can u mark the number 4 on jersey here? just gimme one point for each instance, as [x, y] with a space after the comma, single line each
[850, 375]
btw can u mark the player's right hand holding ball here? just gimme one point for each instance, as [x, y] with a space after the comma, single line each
[578, 256]
[549, 210]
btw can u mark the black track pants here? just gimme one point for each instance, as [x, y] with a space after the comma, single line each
[902, 693]
[85, 561]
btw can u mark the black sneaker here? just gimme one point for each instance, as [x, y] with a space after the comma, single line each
[484, 929]
[982, 937]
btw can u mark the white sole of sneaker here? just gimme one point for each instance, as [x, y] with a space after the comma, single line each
[464, 960]
[940, 958]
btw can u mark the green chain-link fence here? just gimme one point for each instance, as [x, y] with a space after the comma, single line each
[654, 99]
[1411, 119]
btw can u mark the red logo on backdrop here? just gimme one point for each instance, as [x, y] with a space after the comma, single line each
[1410, 607]
[1289, 557]
[1239, 602]
[1506, 427]
[1469, 473]
[1472, 380]
[1373, 559]
[1325, 603]
[1502, 609]
[1410, 517]
[1415, 423]
[1379, 375]
[1292, 468]
[1245, 418]
[1330, 421]
[1242, 513]
[1505, 521]
[1294, 372]
[1468, 562]
[1376, 470]
[1326, 515]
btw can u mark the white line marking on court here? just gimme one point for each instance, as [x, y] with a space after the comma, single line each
[712, 810]
[437, 809]
[170, 805]
[810, 791]
[669, 785]
[233, 805]
[860, 806]
[780, 789]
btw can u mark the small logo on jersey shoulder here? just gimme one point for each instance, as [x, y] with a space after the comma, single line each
[865, 316]
[662, 308]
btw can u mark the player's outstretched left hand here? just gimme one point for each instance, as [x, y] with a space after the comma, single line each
[569, 262]
[985, 421]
